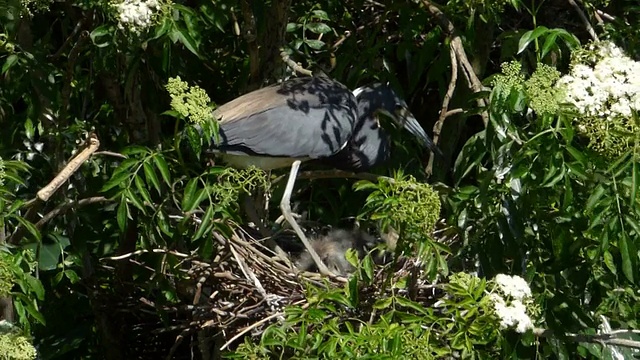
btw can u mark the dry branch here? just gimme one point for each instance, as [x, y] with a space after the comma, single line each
[437, 128]
[470, 76]
[584, 19]
[45, 193]
[293, 65]
[64, 207]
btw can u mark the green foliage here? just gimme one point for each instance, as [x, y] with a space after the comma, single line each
[543, 205]
[15, 346]
[190, 102]
[338, 325]
[412, 209]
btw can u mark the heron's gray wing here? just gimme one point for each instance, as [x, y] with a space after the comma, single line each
[304, 117]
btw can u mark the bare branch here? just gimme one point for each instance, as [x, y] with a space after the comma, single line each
[293, 65]
[584, 19]
[603, 339]
[64, 207]
[45, 193]
[437, 128]
[470, 76]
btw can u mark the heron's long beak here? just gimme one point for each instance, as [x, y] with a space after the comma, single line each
[412, 125]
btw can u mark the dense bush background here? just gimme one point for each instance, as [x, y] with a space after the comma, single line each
[523, 190]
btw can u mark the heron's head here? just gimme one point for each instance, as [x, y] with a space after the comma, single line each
[381, 99]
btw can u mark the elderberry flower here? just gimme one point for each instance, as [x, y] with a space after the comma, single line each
[513, 286]
[136, 15]
[604, 87]
[511, 302]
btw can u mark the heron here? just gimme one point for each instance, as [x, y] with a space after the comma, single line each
[311, 119]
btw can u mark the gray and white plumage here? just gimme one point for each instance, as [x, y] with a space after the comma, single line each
[302, 118]
[311, 118]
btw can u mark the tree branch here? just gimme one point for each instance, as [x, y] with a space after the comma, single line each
[45, 193]
[64, 207]
[470, 76]
[584, 19]
[603, 339]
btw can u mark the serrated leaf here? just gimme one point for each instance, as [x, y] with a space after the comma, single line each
[162, 166]
[530, 36]
[189, 196]
[205, 225]
[608, 261]
[629, 255]
[151, 177]
[117, 179]
[122, 214]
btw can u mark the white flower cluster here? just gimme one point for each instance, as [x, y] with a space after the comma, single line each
[136, 15]
[509, 302]
[608, 89]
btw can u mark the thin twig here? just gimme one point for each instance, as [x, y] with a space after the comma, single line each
[293, 65]
[138, 252]
[584, 19]
[470, 76]
[603, 339]
[437, 128]
[64, 207]
[249, 328]
[111, 153]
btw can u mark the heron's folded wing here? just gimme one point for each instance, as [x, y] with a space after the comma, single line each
[305, 117]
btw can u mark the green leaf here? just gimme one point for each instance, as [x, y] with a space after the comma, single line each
[49, 256]
[99, 32]
[189, 197]
[549, 44]
[140, 186]
[31, 228]
[207, 219]
[595, 197]
[72, 276]
[11, 60]
[161, 164]
[608, 261]
[122, 214]
[151, 177]
[629, 255]
[315, 44]
[318, 28]
[383, 303]
[530, 36]
[117, 179]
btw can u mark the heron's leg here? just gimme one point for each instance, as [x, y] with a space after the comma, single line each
[285, 206]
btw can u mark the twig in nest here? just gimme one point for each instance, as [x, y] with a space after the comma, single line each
[138, 252]
[249, 328]
[584, 19]
[470, 76]
[437, 128]
[45, 193]
[293, 65]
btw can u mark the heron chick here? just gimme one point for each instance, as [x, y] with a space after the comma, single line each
[332, 249]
